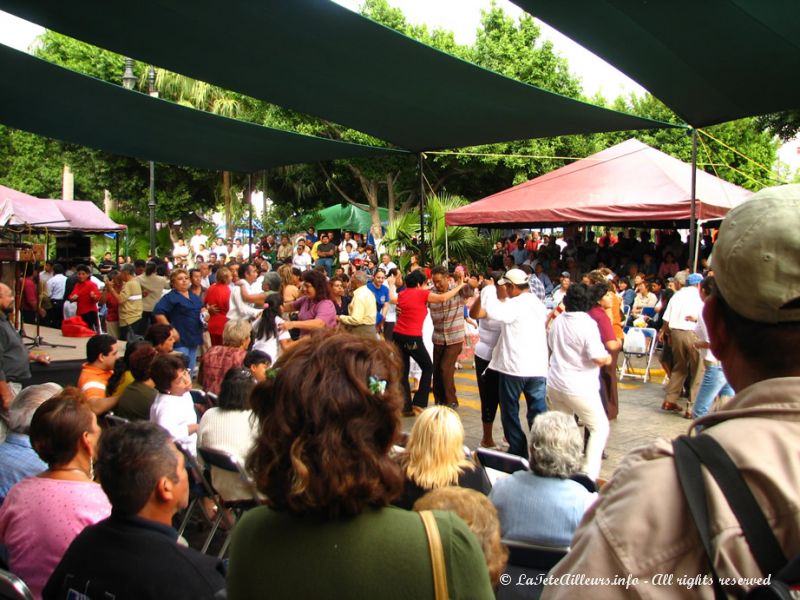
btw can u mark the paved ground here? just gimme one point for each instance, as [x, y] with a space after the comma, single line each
[640, 420]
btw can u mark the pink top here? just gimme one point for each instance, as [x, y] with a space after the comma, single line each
[39, 519]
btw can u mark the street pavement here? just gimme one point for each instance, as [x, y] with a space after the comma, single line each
[639, 423]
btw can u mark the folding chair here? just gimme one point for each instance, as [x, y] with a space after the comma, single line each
[649, 351]
[528, 561]
[501, 461]
[228, 462]
[199, 486]
[13, 588]
[626, 314]
[113, 420]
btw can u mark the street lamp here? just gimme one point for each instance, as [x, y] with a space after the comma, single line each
[128, 78]
[151, 203]
[128, 82]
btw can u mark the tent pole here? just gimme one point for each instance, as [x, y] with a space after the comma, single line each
[422, 260]
[446, 248]
[116, 237]
[693, 218]
[250, 210]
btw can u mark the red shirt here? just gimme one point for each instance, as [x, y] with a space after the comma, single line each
[412, 307]
[603, 323]
[219, 295]
[84, 289]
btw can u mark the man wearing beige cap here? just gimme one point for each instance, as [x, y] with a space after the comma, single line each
[641, 528]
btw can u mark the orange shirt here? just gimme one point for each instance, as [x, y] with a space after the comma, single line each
[93, 381]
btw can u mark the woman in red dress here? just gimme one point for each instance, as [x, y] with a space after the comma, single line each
[217, 302]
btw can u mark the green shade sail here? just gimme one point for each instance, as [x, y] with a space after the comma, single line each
[49, 100]
[710, 61]
[321, 59]
[348, 217]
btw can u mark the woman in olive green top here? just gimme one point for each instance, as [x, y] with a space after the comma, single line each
[329, 412]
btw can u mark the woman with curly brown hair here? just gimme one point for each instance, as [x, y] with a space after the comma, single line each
[329, 412]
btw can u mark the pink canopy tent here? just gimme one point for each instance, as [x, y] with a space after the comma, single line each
[22, 210]
[627, 183]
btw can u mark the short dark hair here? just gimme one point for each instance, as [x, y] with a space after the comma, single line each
[235, 389]
[598, 290]
[58, 269]
[131, 460]
[158, 333]
[150, 268]
[99, 344]
[415, 278]
[139, 263]
[257, 357]
[775, 354]
[83, 269]
[439, 270]
[58, 424]
[140, 361]
[164, 369]
[579, 298]
[319, 405]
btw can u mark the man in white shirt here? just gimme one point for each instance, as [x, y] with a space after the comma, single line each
[302, 258]
[680, 319]
[55, 288]
[520, 356]
[198, 240]
[386, 264]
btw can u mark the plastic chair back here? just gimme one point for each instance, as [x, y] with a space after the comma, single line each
[13, 588]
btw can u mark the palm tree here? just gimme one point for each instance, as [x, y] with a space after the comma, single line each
[461, 243]
[203, 96]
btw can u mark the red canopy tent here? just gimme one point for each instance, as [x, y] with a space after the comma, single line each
[20, 209]
[627, 183]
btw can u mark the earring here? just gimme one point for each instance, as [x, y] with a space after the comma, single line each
[91, 469]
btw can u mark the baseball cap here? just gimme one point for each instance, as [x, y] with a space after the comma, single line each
[694, 279]
[755, 258]
[565, 274]
[514, 276]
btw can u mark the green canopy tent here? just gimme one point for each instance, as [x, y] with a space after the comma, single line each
[349, 217]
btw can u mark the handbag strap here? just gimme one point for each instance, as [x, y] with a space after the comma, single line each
[437, 555]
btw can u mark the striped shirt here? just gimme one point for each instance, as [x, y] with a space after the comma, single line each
[448, 321]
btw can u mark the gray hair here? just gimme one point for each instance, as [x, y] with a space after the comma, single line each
[25, 404]
[360, 277]
[236, 332]
[556, 445]
[271, 282]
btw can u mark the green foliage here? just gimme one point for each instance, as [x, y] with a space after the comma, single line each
[463, 244]
[744, 135]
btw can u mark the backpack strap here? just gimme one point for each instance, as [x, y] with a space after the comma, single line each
[689, 454]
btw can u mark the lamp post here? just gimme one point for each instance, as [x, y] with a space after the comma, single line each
[128, 82]
[151, 203]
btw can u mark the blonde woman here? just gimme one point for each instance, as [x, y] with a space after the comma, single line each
[289, 284]
[435, 458]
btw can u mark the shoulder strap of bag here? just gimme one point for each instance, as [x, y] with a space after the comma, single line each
[437, 555]
[690, 476]
[691, 452]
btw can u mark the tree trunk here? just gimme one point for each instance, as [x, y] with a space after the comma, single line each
[226, 198]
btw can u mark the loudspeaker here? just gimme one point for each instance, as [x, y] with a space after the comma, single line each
[74, 248]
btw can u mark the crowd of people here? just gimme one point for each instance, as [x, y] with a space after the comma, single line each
[306, 357]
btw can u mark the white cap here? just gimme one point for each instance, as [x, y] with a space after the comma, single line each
[514, 276]
[756, 259]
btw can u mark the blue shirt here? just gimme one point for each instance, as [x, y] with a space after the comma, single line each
[18, 460]
[540, 510]
[184, 315]
[381, 297]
